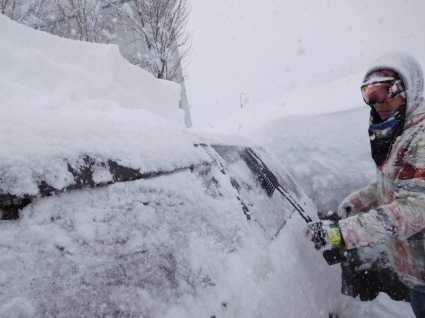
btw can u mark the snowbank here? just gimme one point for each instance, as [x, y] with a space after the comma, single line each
[62, 99]
[44, 71]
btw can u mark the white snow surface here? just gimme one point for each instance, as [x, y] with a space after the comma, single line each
[66, 99]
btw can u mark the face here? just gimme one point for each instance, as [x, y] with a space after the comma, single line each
[384, 91]
[387, 108]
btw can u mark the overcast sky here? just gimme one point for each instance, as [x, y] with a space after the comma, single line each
[262, 48]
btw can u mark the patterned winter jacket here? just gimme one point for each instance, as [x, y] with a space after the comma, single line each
[392, 210]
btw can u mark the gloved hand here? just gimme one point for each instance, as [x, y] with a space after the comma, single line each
[324, 234]
[345, 209]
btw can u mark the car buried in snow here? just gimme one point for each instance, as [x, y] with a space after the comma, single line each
[110, 209]
[99, 236]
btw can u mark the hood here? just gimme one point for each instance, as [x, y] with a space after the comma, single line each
[410, 72]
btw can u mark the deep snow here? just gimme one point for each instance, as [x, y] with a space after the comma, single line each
[63, 98]
[173, 246]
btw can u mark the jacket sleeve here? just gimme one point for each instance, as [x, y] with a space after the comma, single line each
[362, 200]
[404, 216]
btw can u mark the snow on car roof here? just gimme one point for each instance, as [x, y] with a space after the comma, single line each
[63, 101]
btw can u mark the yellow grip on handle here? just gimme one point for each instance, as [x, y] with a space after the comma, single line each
[335, 238]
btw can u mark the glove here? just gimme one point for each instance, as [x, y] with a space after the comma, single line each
[325, 234]
[345, 209]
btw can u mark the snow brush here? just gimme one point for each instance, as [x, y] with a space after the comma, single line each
[270, 183]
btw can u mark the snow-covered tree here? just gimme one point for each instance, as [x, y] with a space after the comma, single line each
[11, 8]
[28, 12]
[84, 20]
[151, 33]
[160, 26]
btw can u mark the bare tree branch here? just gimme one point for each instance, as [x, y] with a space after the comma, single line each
[160, 26]
[151, 33]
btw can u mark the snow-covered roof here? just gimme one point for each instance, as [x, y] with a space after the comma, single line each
[64, 101]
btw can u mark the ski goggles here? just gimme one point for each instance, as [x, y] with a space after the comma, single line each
[382, 92]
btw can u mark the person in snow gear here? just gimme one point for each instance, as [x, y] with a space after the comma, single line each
[392, 210]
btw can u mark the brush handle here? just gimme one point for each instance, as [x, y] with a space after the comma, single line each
[295, 204]
[334, 256]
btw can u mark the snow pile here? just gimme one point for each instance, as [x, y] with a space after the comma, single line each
[63, 99]
[76, 75]
[382, 306]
